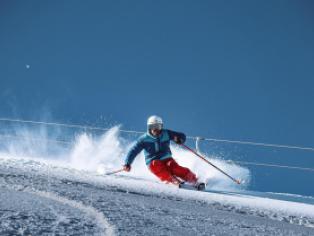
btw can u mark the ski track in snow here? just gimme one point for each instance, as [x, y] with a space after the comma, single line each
[96, 219]
[105, 227]
[90, 213]
[75, 202]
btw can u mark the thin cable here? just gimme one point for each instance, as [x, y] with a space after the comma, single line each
[68, 142]
[255, 143]
[67, 125]
[34, 139]
[138, 132]
[272, 165]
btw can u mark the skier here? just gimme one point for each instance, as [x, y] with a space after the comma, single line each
[158, 155]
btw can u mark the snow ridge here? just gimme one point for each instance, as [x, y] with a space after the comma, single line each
[103, 224]
[105, 228]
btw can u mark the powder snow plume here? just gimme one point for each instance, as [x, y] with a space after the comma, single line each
[106, 152]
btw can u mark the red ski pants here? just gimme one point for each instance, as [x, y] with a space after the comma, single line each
[168, 170]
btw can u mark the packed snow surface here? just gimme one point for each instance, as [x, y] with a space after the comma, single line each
[66, 193]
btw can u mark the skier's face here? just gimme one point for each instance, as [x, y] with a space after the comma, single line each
[155, 129]
[155, 132]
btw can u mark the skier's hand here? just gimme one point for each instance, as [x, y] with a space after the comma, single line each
[127, 168]
[177, 140]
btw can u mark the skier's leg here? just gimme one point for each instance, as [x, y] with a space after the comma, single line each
[182, 172]
[160, 169]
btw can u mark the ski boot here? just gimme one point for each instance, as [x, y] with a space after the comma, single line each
[200, 186]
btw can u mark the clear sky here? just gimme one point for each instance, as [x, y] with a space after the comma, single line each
[224, 69]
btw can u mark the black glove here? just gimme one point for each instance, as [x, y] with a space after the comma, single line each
[178, 140]
[127, 168]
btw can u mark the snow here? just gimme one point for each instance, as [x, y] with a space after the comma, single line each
[29, 212]
[60, 192]
[118, 204]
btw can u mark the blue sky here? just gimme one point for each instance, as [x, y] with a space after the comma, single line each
[224, 69]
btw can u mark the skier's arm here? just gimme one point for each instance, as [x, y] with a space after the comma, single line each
[134, 151]
[178, 137]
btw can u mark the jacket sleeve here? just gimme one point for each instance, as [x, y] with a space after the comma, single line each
[173, 134]
[134, 151]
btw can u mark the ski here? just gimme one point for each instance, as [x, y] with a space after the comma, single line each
[198, 186]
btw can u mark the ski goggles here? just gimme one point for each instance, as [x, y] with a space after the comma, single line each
[155, 126]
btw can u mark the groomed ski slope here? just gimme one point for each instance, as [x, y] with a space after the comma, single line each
[67, 195]
[40, 199]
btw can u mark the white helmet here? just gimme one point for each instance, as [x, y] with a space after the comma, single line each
[154, 122]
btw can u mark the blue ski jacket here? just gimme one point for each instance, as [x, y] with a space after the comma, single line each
[155, 148]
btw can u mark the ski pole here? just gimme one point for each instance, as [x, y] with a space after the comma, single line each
[208, 162]
[114, 172]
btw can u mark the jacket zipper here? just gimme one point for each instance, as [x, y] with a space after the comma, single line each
[157, 145]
